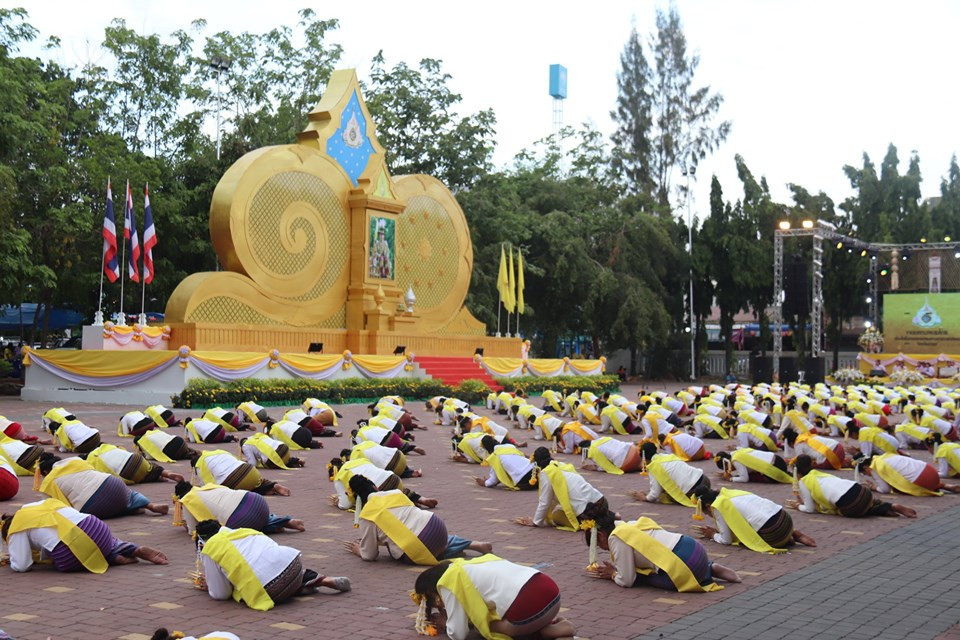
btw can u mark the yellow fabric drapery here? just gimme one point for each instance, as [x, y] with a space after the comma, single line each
[545, 367]
[311, 363]
[585, 367]
[151, 332]
[379, 364]
[503, 366]
[104, 364]
[230, 359]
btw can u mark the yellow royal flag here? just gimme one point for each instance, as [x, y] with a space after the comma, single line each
[503, 282]
[510, 300]
[520, 284]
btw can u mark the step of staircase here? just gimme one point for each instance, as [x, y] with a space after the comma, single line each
[453, 370]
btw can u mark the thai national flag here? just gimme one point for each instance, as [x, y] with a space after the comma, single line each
[149, 238]
[110, 263]
[130, 233]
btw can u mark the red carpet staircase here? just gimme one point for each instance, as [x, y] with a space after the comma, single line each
[452, 371]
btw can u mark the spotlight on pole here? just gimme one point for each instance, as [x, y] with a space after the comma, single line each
[923, 240]
[883, 271]
[869, 299]
[808, 224]
[946, 238]
[784, 225]
[840, 245]
[863, 254]
[867, 324]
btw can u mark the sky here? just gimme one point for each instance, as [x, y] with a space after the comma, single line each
[808, 86]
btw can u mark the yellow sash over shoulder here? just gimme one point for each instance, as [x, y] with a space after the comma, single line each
[17, 469]
[150, 447]
[603, 461]
[951, 452]
[377, 511]
[741, 529]
[554, 472]
[744, 457]
[668, 441]
[456, 581]
[258, 440]
[246, 586]
[94, 458]
[45, 515]
[195, 504]
[635, 534]
[812, 483]
[203, 470]
[464, 447]
[892, 477]
[493, 461]
[872, 435]
[656, 469]
[49, 484]
[828, 453]
[755, 431]
[277, 434]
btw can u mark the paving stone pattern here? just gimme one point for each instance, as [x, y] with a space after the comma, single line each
[130, 602]
[902, 584]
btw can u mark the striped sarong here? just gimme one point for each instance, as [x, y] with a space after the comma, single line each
[858, 502]
[177, 448]
[89, 444]
[287, 584]
[252, 513]
[778, 530]
[302, 438]
[138, 469]
[391, 483]
[110, 500]
[398, 464]
[434, 536]
[245, 476]
[99, 532]
[691, 553]
[30, 456]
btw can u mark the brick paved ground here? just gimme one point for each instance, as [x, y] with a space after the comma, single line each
[127, 601]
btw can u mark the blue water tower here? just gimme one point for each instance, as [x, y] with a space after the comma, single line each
[558, 81]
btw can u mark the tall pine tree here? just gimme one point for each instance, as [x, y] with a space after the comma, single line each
[632, 148]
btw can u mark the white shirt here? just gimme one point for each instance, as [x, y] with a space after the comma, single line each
[265, 557]
[372, 537]
[220, 502]
[373, 473]
[627, 560]
[532, 412]
[741, 472]
[379, 455]
[13, 449]
[580, 491]
[684, 475]
[754, 509]
[498, 583]
[295, 415]
[607, 423]
[804, 448]
[690, 444]
[21, 544]
[514, 464]
[614, 450]
[909, 468]
[549, 424]
[571, 440]
[130, 420]
[204, 428]
[77, 433]
[286, 427]
[750, 441]
[256, 457]
[115, 459]
[663, 427]
[221, 466]
[867, 449]
[832, 487]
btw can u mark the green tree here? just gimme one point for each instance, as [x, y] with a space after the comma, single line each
[417, 122]
[632, 138]
[684, 132]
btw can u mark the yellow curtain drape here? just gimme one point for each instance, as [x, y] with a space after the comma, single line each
[229, 359]
[379, 364]
[104, 364]
[311, 363]
[503, 366]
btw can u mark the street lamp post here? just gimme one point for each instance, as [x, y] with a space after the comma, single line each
[219, 65]
[690, 173]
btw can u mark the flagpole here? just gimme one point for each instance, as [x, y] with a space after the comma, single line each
[142, 320]
[123, 259]
[98, 317]
[499, 304]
